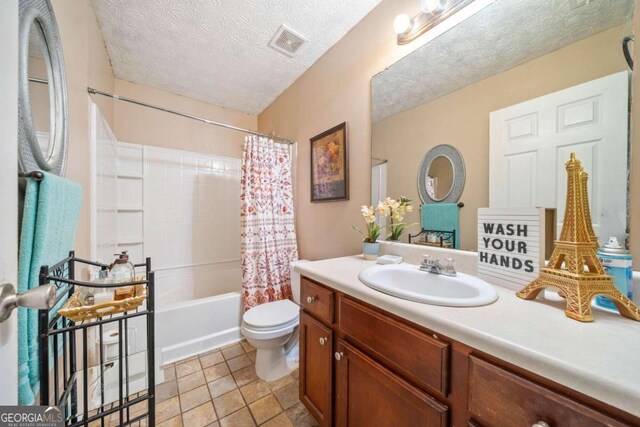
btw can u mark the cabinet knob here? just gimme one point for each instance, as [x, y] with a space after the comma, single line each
[310, 299]
[541, 424]
[339, 355]
[323, 340]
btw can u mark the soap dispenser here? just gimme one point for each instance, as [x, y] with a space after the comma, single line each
[121, 271]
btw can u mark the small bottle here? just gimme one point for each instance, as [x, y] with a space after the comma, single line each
[101, 295]
[86, 293]
[617, 262]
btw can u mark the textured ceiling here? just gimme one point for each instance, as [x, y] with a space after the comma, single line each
[501, 36]
[216, 50]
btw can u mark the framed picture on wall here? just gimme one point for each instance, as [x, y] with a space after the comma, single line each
[329, 167]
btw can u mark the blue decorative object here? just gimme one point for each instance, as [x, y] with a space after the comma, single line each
[370, 250]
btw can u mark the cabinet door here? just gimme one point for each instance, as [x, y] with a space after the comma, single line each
[367, 394]
[316, 344]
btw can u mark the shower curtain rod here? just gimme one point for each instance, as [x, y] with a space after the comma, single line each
[276, 139]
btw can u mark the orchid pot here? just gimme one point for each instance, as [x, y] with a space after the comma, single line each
[370, 250]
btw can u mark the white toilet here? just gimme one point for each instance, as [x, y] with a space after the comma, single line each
[272, 328]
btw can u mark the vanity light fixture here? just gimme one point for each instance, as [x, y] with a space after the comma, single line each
[443, 14]
[402, 24]
[432, 6]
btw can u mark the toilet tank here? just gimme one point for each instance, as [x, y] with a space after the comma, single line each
[295, 281]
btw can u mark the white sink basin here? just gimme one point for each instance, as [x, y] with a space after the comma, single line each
[406, 281]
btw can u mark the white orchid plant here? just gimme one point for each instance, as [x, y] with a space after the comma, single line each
[395, 209]
[373, 228]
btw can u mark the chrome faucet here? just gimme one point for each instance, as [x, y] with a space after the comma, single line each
[433, 266]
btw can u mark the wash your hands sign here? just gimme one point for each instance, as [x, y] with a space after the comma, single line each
[510, 245]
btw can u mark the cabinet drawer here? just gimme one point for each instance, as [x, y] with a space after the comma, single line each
[416, 355]
[317, 300]
[499, 398]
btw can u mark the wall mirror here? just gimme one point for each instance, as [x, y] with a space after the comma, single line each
[442, 175]
[514, 89]
[42, 101]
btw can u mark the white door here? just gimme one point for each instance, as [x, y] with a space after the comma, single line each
[379, 186]
[9, 193]
[530, 143]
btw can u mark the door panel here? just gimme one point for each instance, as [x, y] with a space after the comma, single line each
[367, 394]
[521, 184]
[316, 345]
[531, 141]
[9, 193]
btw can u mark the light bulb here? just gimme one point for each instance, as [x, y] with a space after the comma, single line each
[402, 23]
[431, 6]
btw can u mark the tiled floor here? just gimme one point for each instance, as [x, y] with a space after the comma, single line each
[220, 388]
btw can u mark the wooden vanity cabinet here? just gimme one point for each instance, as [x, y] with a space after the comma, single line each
[362, 366]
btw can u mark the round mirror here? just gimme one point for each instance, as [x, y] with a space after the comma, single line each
[40, 95]
[439, 180]
[442, 175]
[42, 102]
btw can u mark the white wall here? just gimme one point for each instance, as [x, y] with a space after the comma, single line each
[192, 223]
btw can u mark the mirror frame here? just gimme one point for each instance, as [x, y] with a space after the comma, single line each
[31, 157]
[459, 173]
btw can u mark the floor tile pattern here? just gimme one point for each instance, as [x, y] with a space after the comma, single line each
[220, 388]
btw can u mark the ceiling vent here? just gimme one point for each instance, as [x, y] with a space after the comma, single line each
[287, 41]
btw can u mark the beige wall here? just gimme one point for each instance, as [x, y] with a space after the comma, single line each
[337, 88]
[141, 125]
[86, 64]
[461, 119]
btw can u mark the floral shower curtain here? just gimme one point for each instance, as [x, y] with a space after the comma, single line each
[268, 236]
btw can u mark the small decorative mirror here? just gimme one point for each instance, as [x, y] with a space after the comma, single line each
[442, 175]
[42, 102]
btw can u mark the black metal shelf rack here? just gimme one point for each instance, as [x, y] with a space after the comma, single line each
[64, 354]
[444, 238]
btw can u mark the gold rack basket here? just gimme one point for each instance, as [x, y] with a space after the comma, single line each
[75, 311]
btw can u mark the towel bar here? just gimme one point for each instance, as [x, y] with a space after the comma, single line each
[37, 175]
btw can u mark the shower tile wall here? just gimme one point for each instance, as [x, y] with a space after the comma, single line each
[130, 224]
[192, 223]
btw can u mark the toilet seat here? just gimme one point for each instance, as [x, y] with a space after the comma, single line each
[272, 315]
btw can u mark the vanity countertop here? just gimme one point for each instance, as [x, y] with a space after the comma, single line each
[600, 359]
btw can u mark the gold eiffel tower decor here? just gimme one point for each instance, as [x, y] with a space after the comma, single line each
[575, 249]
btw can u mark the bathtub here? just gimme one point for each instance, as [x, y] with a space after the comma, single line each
[191, 327]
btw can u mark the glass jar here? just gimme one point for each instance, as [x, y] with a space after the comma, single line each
[122, 270]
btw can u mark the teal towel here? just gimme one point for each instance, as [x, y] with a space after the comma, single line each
[442, 217]
[50, 216]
